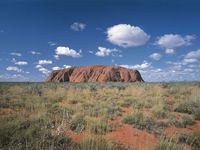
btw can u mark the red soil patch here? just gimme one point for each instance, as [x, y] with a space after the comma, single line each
[6, 111]
[77, 137]
[171, 131]
[195, 126]
[133, 137]
[127, 109]
[127, 135]
[188, 147]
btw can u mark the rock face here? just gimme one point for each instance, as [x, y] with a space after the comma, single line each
[95, 73]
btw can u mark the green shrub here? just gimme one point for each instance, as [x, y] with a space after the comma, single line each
[99, 126]
[78, 123]
[30, 134]
[168, 144]
[160, 113]
[195, 139]
[183, 121]
[139, 120]
[101, 144]
[127, 102]
[188, 107]
[197, 114]
[192, 139]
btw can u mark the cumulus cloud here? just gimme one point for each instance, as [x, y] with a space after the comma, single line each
[193, 54]
[155, 56]
[56, 68]
[35, 53]
[78, 26]
[16, 54]
[169, 51]
[102, 52]
[173, 41]
[61, 50]
[44, 70]
[125, 35]
[38, 66]
[144, 65]
[44, 62]
[21, 63]
[67, 66]
[190, 60]
[13, 68]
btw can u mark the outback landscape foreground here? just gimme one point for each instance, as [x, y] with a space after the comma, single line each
[100, 116]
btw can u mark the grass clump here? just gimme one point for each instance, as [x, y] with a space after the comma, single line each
[78, 123]
[195, 140]
[183, 121]
[192, 139]
[191, 107]
[22, 133]
[99, 126]
[168, 144]
[139, 120]
[98, 143]
[159, 112]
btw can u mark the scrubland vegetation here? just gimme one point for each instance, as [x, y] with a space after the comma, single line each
[93, 116]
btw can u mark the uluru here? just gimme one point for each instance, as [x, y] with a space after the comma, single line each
[95, 73]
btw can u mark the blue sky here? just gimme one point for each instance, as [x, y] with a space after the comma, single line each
[160, 38]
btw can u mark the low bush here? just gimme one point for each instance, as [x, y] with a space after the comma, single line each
[168, 144]
[188, 107]
[78, 123]
[139, 120]
[183, 121]
[101, 144]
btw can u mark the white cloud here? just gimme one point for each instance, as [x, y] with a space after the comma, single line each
[125, 35]
[16, 54]
[77, 26]
[61, 50]
[173, 41]
[44, 70]
[67, 66]
[21, 63]
[38, 66]
[13, 68]
[144, 65]
[56, 57]
[102, 52]
[52, 43]
[44, 62]
[193, 54]
[56, 68]
[35, 53]
[190, 60]
[169, 51]
[155, 56]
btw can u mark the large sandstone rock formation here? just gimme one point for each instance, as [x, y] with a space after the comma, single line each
[95, 73]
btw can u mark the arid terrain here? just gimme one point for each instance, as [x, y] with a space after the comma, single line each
[100, 116]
